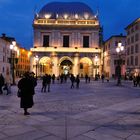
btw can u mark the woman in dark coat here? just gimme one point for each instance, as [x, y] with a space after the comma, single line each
[26, 88]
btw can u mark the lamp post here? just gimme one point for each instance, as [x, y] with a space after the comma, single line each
[13, 60]
[96, 59]
[36, 60]
[119, 50]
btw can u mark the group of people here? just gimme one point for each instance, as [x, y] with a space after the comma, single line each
[4, 85]
[136, 80]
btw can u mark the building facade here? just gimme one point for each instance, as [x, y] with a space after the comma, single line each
[23, 63]
[4, 59]
[14, 60]
[111, 58]
[133, 48]
[66, 41]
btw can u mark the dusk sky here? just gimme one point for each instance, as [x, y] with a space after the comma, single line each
[16, 16]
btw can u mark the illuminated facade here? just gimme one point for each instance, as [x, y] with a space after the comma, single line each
[23, 64]
[66, 41]
[111, 58]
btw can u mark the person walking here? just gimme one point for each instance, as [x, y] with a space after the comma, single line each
[48, 81]
[72, 78]
[86, 78]
[53, 78]
[44, 83]
[77, 80]
[26, 90]
[102, 77]
[1, 83]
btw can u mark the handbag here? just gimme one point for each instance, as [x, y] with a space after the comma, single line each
[19, 93]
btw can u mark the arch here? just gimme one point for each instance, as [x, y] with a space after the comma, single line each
[85, 66]
[45, 60]
[65, 58]
[86, 60]
[45, 65]
[65, 64]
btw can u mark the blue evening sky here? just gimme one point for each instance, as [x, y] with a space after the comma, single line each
[16, 16]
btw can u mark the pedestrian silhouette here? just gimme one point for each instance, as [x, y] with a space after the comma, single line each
[77, 80]
[102, 77]
[53, 78]
[86, 78]
[48, 81]
[1, 83]
[44, 83]
[72, 79]
[26, 90]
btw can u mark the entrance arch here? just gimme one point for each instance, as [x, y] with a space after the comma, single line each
[85, 66]
[65, 64]
[45, 65]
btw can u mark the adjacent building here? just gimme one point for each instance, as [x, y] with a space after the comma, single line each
[66, 40]
[23, 63]
[111, 58]
[133, 48]
[14, 60]
[4, 58]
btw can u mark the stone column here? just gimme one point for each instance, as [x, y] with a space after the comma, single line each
[55, 65]
[76, 65]
[32, 64]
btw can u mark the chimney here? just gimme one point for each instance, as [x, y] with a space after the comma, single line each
[3, 35]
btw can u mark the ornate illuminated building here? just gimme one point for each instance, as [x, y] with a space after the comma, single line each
[66, 40]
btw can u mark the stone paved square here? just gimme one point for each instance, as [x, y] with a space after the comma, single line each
[96, 111]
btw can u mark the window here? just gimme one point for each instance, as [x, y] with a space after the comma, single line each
[85, 41]
[132, 61]
[127, 61]
[66, 41]
[128, 41]
[136, 48]
[46, 41]
[128, 51]
[128, 32]
[132, 30]
[116, 43]
[132, 49]
[136, 27]
[136, 37]
[132, 39]
[136, 61]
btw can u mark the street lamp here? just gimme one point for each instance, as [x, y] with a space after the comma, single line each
[96, 59]
[36, 60]
[119, 50]
[13, 60]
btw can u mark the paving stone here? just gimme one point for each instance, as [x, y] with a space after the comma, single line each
[2, 136]
[32, 135]
[134, 137]
[114, 132]
[99, 136]
[50, 138]
[13, 130]
[82, 138]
